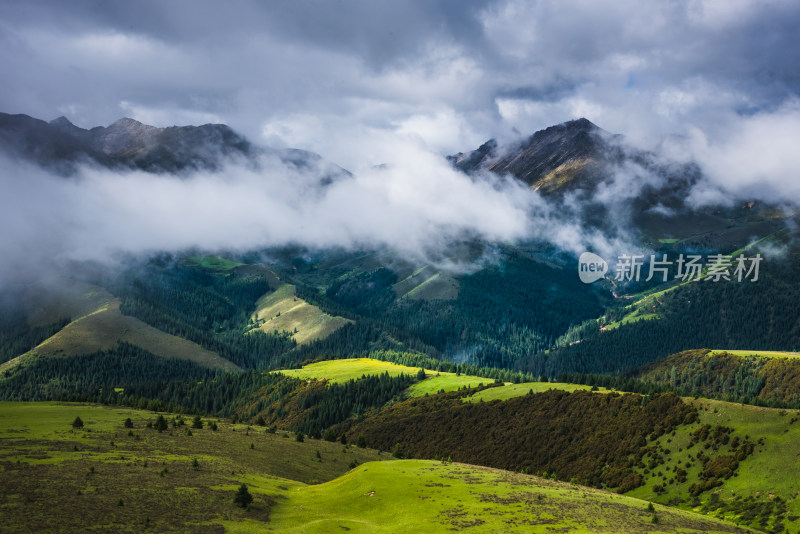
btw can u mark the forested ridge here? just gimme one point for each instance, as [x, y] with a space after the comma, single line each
[748, 379]
[764, 315]
[93, 376]
[17, 337]
[503, 312]
[210, 309]
[503, 325]
[595, 439]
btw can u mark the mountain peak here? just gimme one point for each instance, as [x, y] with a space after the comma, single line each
[61, 122]
[549, 160]
[126, 123]
[581, 124]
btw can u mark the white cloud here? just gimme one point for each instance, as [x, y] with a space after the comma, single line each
[754, 156]
[365, 83]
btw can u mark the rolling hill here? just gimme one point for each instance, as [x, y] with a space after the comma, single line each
[283, 311]
[104, 474]
[102, 326]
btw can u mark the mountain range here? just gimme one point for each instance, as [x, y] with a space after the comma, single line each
[506, 361]
[128, 144]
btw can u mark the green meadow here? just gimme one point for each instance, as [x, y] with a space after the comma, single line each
[350, 369]
[105, 477]
[111, 478]
[510, 391]
[355, 368]
[428, 496]
[764, 480]
[761, 353]
[435, 382]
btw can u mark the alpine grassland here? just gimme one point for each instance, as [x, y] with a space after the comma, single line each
[81, 467]
[336, 371]
[282, 311]
[114, 475]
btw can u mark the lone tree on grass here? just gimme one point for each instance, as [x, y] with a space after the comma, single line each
[77, 423]
[128, 423]
[161, 424]
[243, 497]
[197, 422]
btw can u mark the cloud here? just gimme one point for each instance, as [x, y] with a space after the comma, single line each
[415, 206]
[755, 157]
[645, 69]
[366, 83]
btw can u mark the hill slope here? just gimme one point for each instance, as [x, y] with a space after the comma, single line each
[60, 479]
[282, 310]
[104, 327]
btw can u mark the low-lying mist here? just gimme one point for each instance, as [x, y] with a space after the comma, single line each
[414, 205]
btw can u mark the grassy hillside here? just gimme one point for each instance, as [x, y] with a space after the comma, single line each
[427, 496]
[510, 391]
[282, 310]
[105, 476]
[354, 368]
[336, 371]
[758, 353]
[426, 283]
[104, 327]
[437, 382]
[763, 492]
[730, 460]
[112, 478]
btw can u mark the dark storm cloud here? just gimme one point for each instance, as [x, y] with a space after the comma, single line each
[477, 68]
[716, 81]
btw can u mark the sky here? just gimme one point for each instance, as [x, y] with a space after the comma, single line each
[387, 82]
[323, 75]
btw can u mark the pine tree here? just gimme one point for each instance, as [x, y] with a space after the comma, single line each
[161, 424]
[243, 497]
[77, 423]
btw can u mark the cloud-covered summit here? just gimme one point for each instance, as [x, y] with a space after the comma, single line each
[324, 76]
[714, 82]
